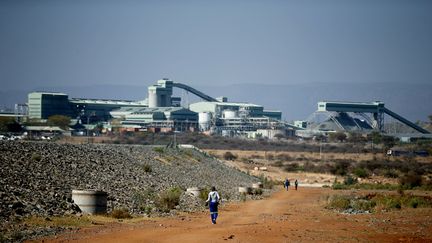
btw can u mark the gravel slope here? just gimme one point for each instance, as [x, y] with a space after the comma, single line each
[36, 178]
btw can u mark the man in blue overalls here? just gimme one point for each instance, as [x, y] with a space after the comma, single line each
[286, 183]
[213, 200]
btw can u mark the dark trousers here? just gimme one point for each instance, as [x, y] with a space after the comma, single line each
[213, 211]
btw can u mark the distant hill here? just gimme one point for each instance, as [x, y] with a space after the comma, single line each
[296, 101]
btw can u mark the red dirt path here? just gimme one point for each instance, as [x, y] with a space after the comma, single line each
[293, 216]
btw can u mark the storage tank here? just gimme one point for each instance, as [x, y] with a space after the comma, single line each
[229, 114]
[90, 201]
[152, 97]
[204, 120]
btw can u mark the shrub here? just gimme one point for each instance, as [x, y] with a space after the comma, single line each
[339, 186]
[229, 156]
[36, 157]
[257, 191]
[363, 205]
[121, 213]
[204, 194]
[278, 163]
[349, 180]
[169, 199]
[338, 202]
[291, 167]
[267, 184]
[410, 180]
[147, 168]
[159, 150]
[390, 173]
[387, 202]
[243, 197]
[269, 156]
[360, 172]
[340, 168]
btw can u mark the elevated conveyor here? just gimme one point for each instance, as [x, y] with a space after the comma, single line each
[405, 121]
[195, 92]
[376, 108]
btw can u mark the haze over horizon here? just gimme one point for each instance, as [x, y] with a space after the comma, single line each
[77, 44]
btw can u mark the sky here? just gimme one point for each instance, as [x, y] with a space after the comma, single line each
[198, 42]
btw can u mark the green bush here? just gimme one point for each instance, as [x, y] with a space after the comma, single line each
[338, 202]
[388, 202]
[278, 163]
[159, 150]
[121, 213]
[410, 180]
[292, 167]
[257, 191]
[360, 172]
[147, 168]
[363, 204]
[339, 186]
[267, 183]
[229, 156]
[204, 194]
[340, 168]
[36, 157]
[349, 180]
[390, 173]
[169, 199]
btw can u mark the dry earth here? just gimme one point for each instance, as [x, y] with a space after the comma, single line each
[293, 216]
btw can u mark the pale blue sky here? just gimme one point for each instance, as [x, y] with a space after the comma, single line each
[52, 43]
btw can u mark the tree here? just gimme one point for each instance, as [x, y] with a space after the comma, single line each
[60, 121]
[375, 137]
[355, 137]
[338, 136]
[8, 124]
[388, 141]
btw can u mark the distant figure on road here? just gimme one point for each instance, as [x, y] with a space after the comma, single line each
[286, 183]
[296, 184]
[213, 200]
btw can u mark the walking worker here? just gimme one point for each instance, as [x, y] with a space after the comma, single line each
[286, 183]
[213, 200]
[296, 184]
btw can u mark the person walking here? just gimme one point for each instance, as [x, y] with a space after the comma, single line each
[286, 184]
[296, 184]
[213, 201]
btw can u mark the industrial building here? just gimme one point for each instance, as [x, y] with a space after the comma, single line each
[162, 112]
[363, 117]
[42, 105]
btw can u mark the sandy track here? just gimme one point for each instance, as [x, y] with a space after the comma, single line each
[294, 216]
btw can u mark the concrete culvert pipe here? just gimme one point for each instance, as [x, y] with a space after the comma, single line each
[90, 201]
[195, 191]
[245, 190]
[257, 185]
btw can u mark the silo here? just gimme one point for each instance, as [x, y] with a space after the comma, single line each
[153, 97]
[204, 120]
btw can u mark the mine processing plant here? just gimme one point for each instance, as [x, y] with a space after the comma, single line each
[163, 112]
[356, 117]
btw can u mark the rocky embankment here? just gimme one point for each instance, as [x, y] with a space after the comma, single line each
[37, 178]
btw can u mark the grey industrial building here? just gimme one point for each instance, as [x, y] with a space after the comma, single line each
[362, 117]
[162, 110]
[42, 105]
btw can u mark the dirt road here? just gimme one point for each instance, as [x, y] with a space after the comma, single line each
[293, 216]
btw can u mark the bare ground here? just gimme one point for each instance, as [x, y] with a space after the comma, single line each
[293, 216]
